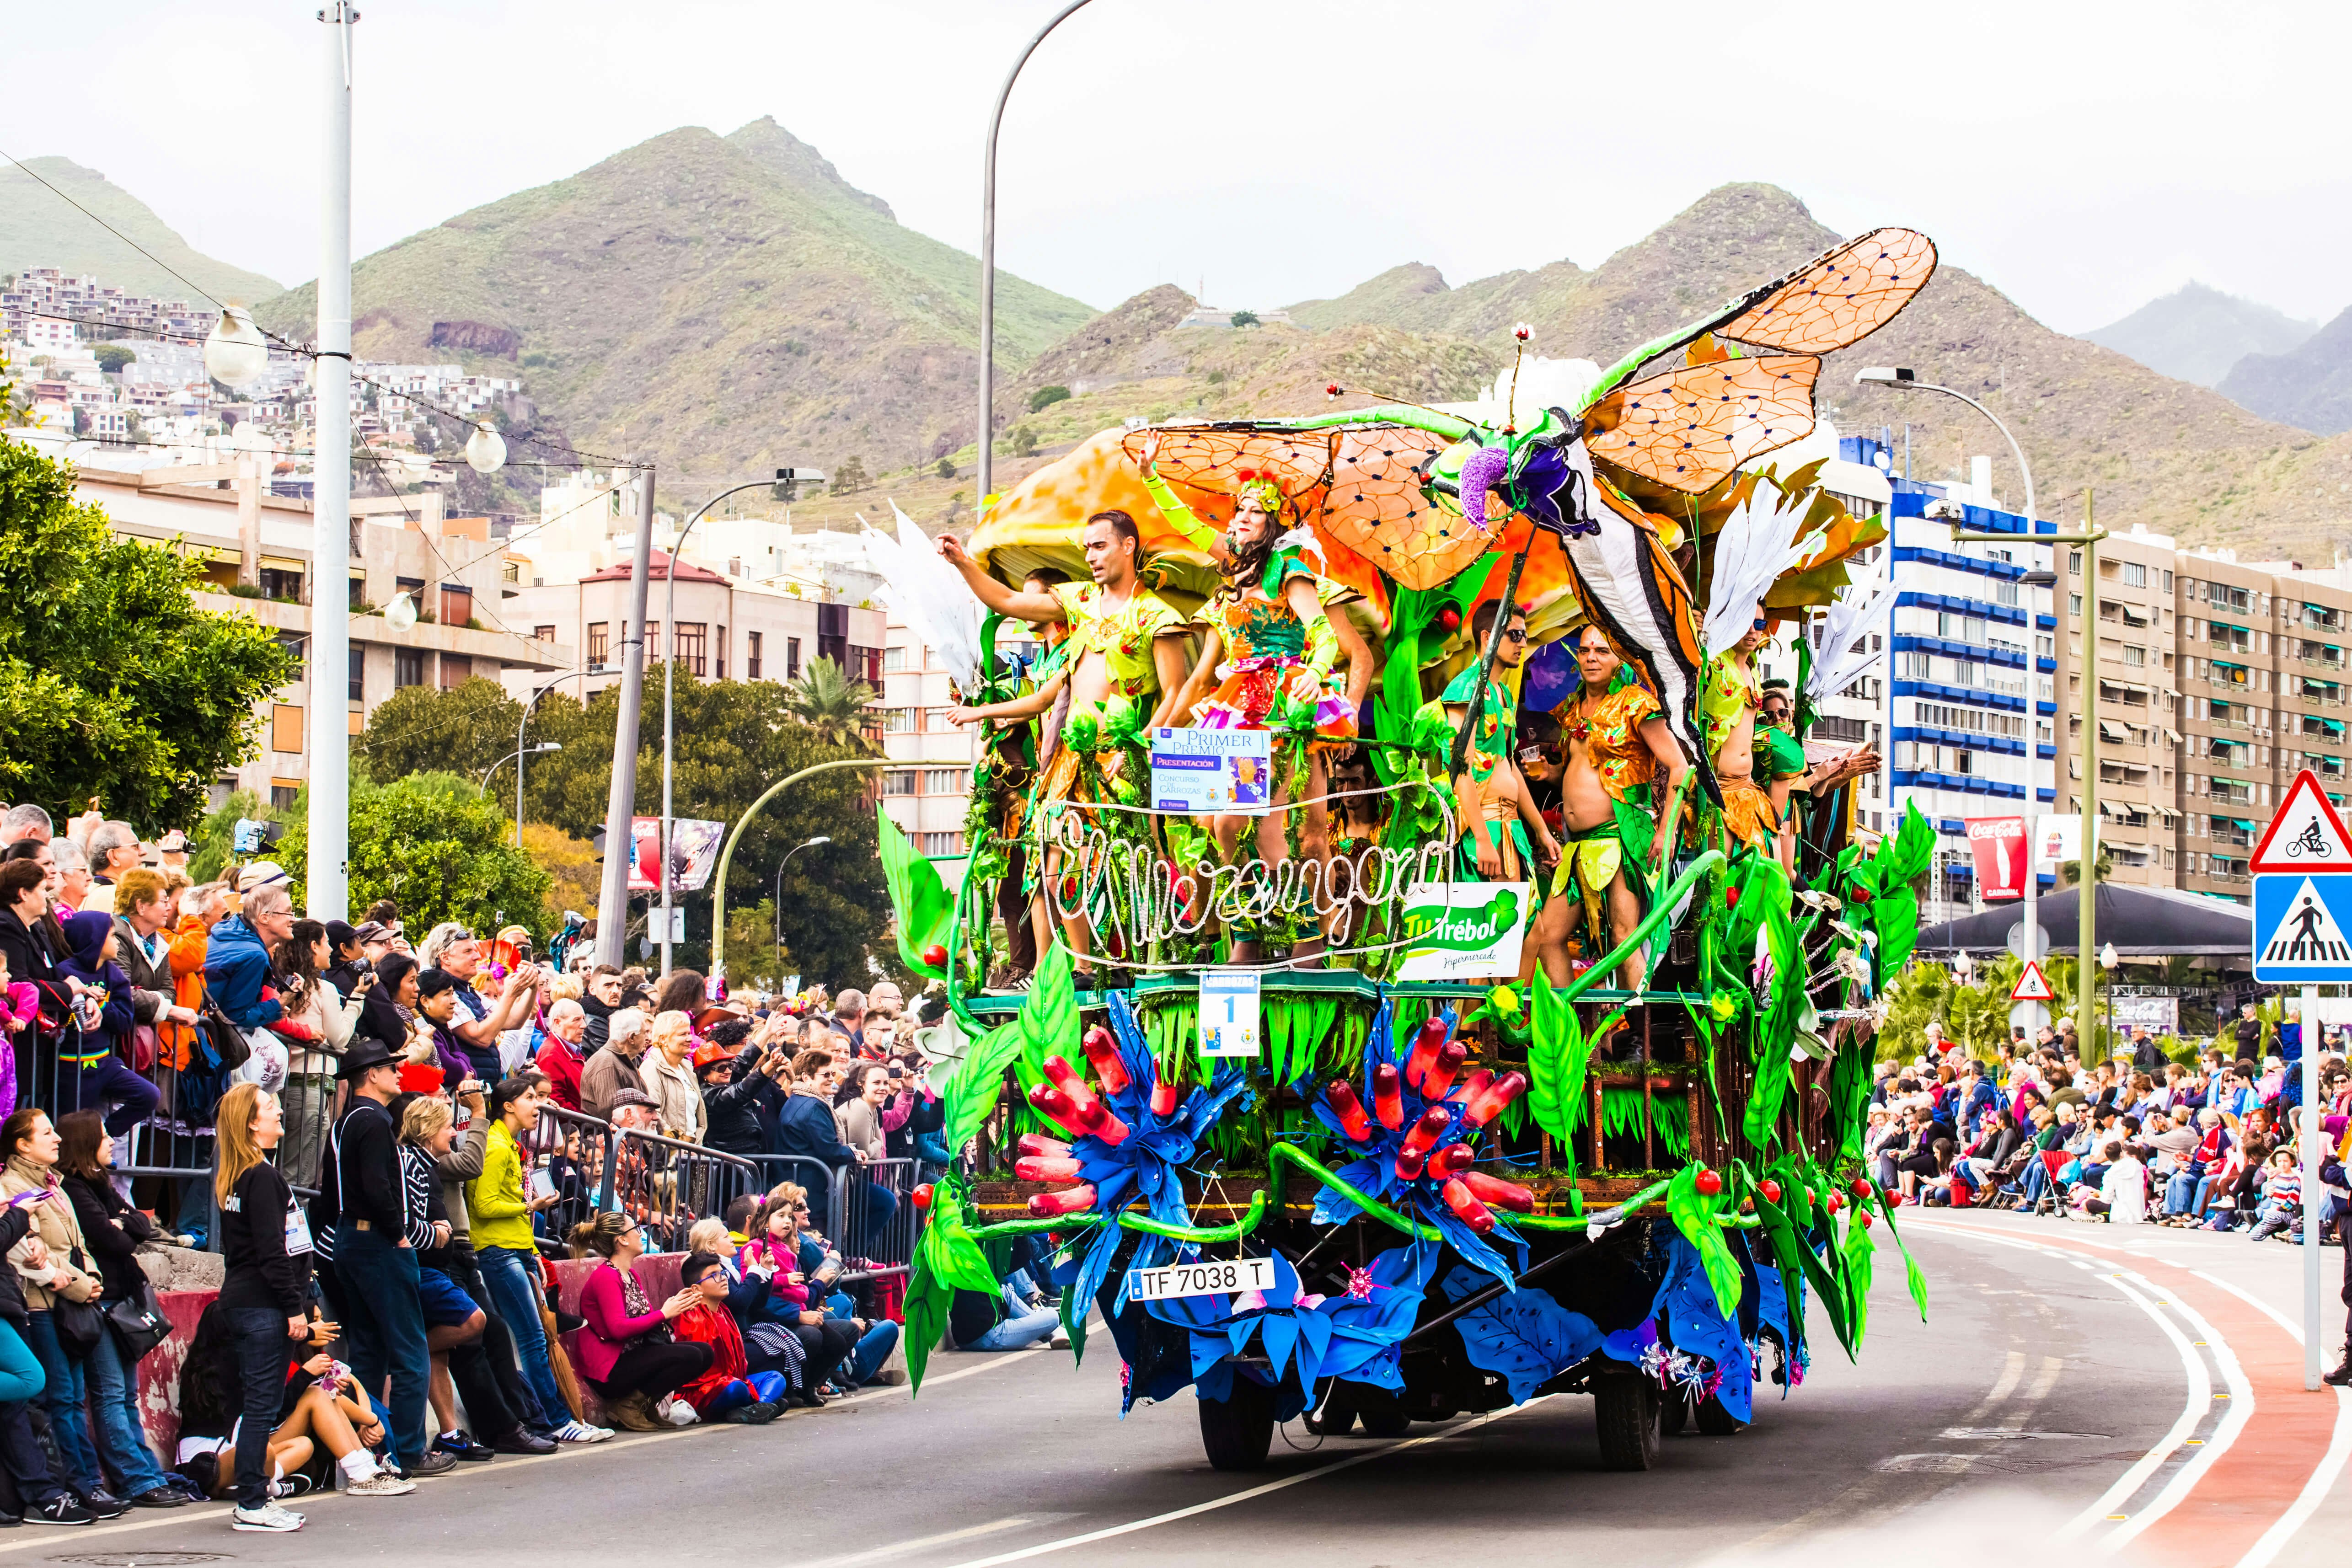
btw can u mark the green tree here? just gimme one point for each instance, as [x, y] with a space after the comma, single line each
[946, 468]
[112, 357]
[1023, 442]
[1044, 398]
[437, 845]
[423, 729]
[828, 702]
[1245, 318]
[112, 683]
[850, 478]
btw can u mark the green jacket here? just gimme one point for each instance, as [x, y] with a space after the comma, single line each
[501, 1217]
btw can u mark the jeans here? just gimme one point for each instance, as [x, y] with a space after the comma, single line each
[2179, 1192]
[307, 1099]
[1024, 1328]
[63, 1393]
[114, 1389]
[487, 1380]
[263, 1351]
[875, 1349]
[384, 1325]
[107, 1081]
[513, 1281]
[21, 1374]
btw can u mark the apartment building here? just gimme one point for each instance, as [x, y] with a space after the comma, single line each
[928, 801]
[2121, 632]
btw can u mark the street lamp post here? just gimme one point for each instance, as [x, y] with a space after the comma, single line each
[516, 758]
[325, 879]
[2086, 894]
[670, 685]
[803, 844]
[987, 469]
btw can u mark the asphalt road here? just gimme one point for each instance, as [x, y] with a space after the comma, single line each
[2064, 1390]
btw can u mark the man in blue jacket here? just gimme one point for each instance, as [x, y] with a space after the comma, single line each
[238, 965]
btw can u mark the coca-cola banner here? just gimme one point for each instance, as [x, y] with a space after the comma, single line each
[1999, 845]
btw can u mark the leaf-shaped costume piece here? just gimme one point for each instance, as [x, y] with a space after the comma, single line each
[918, 897]
[1525, 1336]
[1847, 654]
[1305, 1336]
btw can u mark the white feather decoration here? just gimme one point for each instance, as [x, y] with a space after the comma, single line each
[928, 595]
[1844, 653]
[1756, 544]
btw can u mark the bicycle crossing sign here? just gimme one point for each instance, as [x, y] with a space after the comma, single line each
[2307, 835]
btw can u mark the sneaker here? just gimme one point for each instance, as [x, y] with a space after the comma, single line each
[104, 1504]
[464, 1446]
[269, 1516]
[295, 1485]
[62, 1508]
[383, 1483]
[434, 1463]
[580, 1432]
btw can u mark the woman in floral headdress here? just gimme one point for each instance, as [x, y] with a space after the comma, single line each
[1267, 658]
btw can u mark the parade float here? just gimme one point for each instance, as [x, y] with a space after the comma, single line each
[1277, 1034]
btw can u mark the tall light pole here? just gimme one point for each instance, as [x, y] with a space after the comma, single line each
[670, 685]
[803, 844]
[326, 880]
[987, 472]
[620, 804]
[1904, 380]
[516, 758]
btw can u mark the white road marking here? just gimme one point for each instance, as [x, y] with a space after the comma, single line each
[900, 1548]
[1246, 1495]
[2012, 1370]
[2240, 1411]
[2331, 1464]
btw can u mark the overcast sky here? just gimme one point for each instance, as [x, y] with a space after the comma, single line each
[2083, 155]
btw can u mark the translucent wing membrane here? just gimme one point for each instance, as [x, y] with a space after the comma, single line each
[1213, 457]
[1841, 299]
[1376, 506]
[1690, 427]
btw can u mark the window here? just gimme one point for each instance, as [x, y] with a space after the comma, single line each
[2168, 583]
[456, 604]
[600, 642]
[294, 642]
[2006, 593]
[358, 693]
[897, 783]
[2132, 573]
[457, 669]
[278, 583]
[281, 794]
[2074, 601]
[2074, 565]
[689, 645]
[937, 719]
[752, 655]
[544, 633]
[285, 728]
[719, 660]
[864, 664]
[943, 782]
[2134, 655]
[893, 660]
[791, 658]
[942, 843]
[359, 590]
[408, 666]
[652, 640]
[899, 720]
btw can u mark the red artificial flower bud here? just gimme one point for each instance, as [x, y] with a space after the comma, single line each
[1426, 1044]
[1042, 1146]
[1165, 1094]
[1344, 1104]
[1466, 1206]
[1860, 1187]
[1449, 620]
[1111, 1129]
[935, 956]
[1069, 1200]
[1082, 1099]
[1409, 1162]
[1470, 1088]
[1388, 1097]
[1332, 391]
[1863, 1215]
[1439, 1079]
[922, 1195]
[1732, 898]
[1452, 1160]
[1103, 1053]
[1489, 1104]
[1040, 1168]
[1833, 1203]
[1709, 1183]
[1052, 1102]
[1425, 1132]
[1497, 1193]
[1770, 1189]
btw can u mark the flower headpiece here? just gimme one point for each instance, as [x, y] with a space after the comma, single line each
[1259, 487]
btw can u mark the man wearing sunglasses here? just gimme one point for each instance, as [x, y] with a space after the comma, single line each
[1494, 812]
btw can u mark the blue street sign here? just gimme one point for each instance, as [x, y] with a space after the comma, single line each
[2300, 925]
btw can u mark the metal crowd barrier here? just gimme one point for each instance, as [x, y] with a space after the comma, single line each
[575, 1149]
[876, 1217]
[666, 1184]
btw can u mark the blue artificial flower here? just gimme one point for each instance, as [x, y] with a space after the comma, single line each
[1352, 1335]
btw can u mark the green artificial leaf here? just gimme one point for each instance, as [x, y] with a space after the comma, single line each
[1049, 1018]
[973, 1093]
[925, 1310]
[1556, 1061]
[1859, 1252]
[1787, 1252]
[1694, 1214]
[1074, 1322]
[919, 898]
[956, 1257]
[1913, 1277]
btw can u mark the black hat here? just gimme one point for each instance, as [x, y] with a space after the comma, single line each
[362, 1055]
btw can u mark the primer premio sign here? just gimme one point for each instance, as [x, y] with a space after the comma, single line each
[1464, 930]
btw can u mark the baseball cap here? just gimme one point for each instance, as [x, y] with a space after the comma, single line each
[260, 873]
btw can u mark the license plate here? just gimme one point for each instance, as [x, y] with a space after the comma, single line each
[1221, 1276]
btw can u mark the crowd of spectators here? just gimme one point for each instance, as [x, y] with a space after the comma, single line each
[392, 1142]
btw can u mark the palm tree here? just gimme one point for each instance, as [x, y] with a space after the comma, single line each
[829, 702]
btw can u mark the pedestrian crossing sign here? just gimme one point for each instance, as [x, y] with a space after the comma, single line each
[2300, 923]
[2307, 835]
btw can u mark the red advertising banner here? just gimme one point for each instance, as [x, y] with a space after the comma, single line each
[1998, 844]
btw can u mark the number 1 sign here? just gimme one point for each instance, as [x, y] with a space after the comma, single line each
[1228, 1013]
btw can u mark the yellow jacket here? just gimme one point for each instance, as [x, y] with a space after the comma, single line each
[501, 1216]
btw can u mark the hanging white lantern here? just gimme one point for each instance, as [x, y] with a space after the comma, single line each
[401, 614]
[485, 450]
[235, 354]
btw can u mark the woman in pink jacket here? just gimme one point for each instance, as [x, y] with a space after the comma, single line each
[627, 1352]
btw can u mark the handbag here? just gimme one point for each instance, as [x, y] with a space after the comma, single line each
[77, 1323]
[224, 1043]
[146, 1046]
[138, 1322]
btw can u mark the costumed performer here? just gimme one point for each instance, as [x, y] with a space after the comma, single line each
[1496, 814]
[1727, 704]
[1776, 728]
[1615, 745]
[1127, 657]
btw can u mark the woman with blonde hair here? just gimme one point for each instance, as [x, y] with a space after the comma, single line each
[265, 1288]
[669, 1079]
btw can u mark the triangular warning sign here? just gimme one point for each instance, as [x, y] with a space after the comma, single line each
[2033, 985]
[2306, 834]
[2309, 934]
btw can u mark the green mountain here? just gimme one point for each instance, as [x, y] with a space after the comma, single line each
[2196, 334]
[40, 228]
[722, 304]
[2173, 456]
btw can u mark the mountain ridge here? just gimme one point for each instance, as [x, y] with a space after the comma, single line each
[2196, 334]
[2309, 385]
[39, 229]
